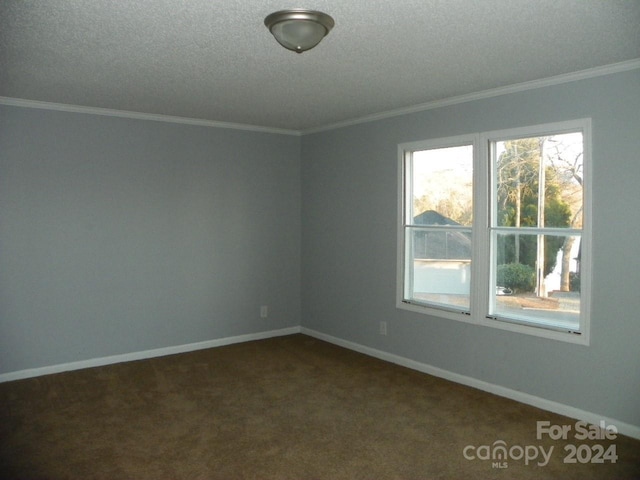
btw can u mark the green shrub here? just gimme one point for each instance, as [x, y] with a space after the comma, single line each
[516, 276]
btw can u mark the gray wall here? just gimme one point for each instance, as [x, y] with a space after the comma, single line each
[349, 212]
[121, 235]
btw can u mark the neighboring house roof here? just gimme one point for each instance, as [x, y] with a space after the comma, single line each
[440, 245]
[431, 217]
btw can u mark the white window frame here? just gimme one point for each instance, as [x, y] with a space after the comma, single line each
[482, 255]
[405, 150]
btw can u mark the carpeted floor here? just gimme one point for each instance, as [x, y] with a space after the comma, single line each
[284, 408]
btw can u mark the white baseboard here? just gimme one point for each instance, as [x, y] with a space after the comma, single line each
[157, 352]
[549, 405]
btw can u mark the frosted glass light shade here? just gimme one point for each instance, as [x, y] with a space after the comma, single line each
[299, 30]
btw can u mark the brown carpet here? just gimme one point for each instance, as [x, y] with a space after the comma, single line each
[290, 407]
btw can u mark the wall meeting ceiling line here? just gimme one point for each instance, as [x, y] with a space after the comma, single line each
[519, 87]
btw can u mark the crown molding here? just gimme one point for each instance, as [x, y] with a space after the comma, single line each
[494, 92]
[63, 107]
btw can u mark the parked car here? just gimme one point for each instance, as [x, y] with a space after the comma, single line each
[503, 291]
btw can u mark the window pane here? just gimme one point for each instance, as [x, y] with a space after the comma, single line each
[439, 213]
[442, 186]
[526, 167]
[537, 279]
[439, 266]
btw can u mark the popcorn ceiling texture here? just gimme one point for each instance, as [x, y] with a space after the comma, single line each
[215, 60]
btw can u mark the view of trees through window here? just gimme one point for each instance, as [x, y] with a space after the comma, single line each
[443, 183]
[537, 212]
[495, 228]
[538, 208]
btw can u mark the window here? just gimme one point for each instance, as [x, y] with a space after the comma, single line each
[495, 229]
[437, 227]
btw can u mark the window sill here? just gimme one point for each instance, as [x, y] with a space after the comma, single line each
[451, 314]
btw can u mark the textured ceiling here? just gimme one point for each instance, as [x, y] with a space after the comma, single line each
[215, 60]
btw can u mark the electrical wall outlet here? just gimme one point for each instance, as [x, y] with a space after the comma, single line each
[264, 311]
[383, 328]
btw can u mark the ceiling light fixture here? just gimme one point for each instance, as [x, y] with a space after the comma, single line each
[299, 29]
